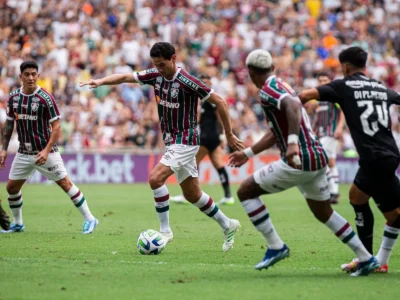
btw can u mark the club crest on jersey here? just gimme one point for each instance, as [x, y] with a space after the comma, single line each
[35, 104]
[174, 93]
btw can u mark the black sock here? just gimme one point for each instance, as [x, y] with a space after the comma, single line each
[223, 176]
[365, 225]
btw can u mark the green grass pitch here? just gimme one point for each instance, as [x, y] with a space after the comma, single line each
[52, 260]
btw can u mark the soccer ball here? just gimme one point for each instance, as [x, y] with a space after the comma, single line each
[150, 242]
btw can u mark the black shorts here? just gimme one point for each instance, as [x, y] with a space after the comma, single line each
[379, 180]
[210, 143]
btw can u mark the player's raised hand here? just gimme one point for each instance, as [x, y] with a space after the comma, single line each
[292, 155]
[234, 142]
[237, 159]
[3, 158]
[92, 83]
[41, 157]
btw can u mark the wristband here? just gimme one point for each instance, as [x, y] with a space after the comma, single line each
[248, 152]
[293, 139]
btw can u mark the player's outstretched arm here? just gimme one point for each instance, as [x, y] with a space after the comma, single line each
[42, 156]
[308, 95]
[6, 134]
[109, 80]
[292, 108]
[222, 108]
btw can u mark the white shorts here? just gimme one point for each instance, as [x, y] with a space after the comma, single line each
[182, 161]
[278, 176]
[329, 144]
[24, 166]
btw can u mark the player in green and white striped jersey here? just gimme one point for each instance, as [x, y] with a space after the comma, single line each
[303, 164]
[177, 94]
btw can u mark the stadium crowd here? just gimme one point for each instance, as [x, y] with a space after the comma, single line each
[75, 40]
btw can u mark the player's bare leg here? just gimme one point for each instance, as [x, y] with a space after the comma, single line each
[15, 201]
[203, 151]
[333, 180]
[78, 199]
[4, 218]
[249, 194]
[157, 179]
[192, 192]
[217, 160]
[323, 212]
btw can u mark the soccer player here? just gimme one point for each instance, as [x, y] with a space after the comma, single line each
[303, 164]
[38, 126]
[177, 93]
[365, 103]
[210, 144]
[4, 219]
[329, 122]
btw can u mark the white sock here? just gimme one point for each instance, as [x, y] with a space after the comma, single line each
[346, 234]
[334, 181]
[15, 202]
[207, 206]
[80, 202]
[388, 240]
[259, 216]
[161, 197]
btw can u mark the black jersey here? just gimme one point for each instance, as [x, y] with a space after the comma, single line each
[209, 125]
[365, 103]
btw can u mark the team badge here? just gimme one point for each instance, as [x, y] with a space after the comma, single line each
[174, 93]
[35, 104]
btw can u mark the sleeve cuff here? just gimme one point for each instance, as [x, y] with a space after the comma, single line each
[53, 119]
[208, 96]
[136, 78]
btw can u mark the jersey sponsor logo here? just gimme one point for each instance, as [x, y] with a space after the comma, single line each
[358, 84]
[157, 86]
[15, 105]
[168, 138]
[159, 79]
[35, 104]
[169, 104]
[176, 85]
[25, 117]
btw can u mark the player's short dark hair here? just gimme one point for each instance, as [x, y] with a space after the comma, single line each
[355, 56]
[162, 49]
[323, 74]
[204, 76]
[259, 70]
[28, 64]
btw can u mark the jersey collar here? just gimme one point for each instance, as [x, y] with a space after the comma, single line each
[270, 77]
[37, 90]
[178, 69]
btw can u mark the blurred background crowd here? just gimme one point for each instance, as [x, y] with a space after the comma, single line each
[75, 40]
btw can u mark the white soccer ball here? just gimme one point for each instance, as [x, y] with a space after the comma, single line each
[150, 242]
[260, 59]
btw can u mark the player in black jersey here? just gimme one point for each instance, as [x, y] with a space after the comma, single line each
[365, 103]
[210, 144]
